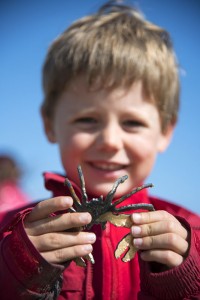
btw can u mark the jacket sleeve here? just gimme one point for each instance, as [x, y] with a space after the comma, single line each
[24, 273]
[182, 282]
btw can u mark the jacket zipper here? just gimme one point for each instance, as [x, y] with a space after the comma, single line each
[114, 281]
[88, 286]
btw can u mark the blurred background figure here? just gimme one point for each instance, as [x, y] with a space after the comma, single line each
[11, 194]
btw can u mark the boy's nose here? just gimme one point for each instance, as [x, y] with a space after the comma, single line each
[110, 138]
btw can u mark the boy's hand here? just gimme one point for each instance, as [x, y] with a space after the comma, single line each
[58, 238]
[161, 237]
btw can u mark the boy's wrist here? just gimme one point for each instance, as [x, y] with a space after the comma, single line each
[26, 263]
[182, 280]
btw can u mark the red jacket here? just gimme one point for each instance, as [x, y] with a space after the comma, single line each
[24, 274]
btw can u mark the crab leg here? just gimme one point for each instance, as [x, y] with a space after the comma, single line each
[82, 181]
[146, 206]
[110, 195]
[81, 262]
[73, 194]
[144, 186]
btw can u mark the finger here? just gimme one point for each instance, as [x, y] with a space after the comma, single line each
[151, 217]
[160, 216]
[165, 257]
[168, 241]
[60, 240]
[46, 207]
[63, 255]
[156, 228]
[58, 223]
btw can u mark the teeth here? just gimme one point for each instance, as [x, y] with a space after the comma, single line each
[110, 167]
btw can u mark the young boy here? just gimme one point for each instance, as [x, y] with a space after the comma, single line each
[111, 102]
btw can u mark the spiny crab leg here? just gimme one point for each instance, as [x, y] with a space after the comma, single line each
[137, 206]
[110, 195]
[79, 260]
[73, 194]
[82, 181]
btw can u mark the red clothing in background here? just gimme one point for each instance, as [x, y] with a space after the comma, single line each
[11, 196]
[24, 274]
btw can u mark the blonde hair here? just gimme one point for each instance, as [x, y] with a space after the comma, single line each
[114, 47]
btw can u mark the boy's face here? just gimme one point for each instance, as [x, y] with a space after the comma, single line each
[109, 133]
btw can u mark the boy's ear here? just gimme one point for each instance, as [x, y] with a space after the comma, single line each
[48, 128]
[165, 138]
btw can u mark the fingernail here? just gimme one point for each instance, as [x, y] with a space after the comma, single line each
[136, 217]
[136, 230]
[84, 217]
[66, 201]
[137, 242]
[91, 237]
[88, 247]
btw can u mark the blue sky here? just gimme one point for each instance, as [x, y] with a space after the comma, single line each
[27, 29]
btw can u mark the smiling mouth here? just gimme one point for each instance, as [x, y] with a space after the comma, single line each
[108, 166]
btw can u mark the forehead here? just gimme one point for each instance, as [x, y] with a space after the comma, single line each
[79, 88]
[78, 97]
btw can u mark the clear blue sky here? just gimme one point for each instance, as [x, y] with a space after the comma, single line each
[26, 30]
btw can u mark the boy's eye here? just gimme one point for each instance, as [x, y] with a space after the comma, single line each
[86, 120]
[133, 123]
[86, 123]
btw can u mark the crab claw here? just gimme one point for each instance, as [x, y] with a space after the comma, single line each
[123, 245]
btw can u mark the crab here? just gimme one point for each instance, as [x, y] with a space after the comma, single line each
[104, 210]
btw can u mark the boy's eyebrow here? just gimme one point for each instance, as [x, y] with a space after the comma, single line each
[86, 110]
[83, 111]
